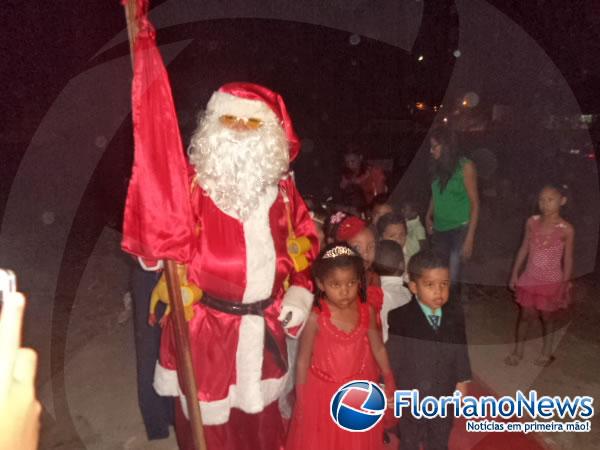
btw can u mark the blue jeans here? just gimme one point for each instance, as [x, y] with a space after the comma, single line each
[448, 244]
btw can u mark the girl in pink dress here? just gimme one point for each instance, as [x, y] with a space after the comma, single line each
[543, 288]
[341, 343]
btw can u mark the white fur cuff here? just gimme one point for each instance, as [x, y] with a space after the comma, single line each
[158, 266]
[166, 383]
[299, 297]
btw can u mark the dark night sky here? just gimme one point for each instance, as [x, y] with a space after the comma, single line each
[45, 44]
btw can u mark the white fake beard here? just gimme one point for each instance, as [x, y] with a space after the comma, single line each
[234, 167]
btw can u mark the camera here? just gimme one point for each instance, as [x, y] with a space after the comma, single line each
[8, 282]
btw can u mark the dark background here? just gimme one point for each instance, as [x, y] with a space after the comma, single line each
[335, 91]
[337, 94]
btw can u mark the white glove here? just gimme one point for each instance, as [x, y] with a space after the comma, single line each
[295, 308]
[291, 316]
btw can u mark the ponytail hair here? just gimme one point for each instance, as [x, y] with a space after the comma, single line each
[562, 189]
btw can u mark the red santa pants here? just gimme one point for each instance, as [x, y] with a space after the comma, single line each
[243, 431]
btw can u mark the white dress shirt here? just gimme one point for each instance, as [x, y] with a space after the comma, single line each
[394, 296]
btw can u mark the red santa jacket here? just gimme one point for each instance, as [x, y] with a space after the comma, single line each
[243, 263]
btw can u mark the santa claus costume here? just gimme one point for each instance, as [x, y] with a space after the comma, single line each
[246, 209]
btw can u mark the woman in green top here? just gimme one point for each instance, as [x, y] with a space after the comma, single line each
[454, 206]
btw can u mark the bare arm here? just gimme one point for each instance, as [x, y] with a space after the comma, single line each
[521, 256]
[380, 354]
[470, 180]
[568, 257]
[307, 340]
[429, 216]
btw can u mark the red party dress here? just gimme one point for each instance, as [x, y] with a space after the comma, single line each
[337, 358]
[541, 285]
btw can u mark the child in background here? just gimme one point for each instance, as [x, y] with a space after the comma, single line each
[543, 288]
[389, 265]
[428, 350]
[393, 227]
[370, 179]
[359, 236]
[340, 343]
[380, 207]
[353, 202]
[332, 224]
[416, 238]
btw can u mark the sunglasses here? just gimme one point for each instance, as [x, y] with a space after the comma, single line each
[231, 121]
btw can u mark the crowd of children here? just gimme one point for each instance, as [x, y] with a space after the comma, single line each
[383, 312]
[378, 285]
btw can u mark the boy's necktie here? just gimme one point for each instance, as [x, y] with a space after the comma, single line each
[435, 321]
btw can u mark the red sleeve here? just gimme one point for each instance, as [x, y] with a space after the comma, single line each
[303, 226]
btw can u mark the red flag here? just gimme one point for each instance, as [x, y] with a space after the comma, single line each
[158, 219]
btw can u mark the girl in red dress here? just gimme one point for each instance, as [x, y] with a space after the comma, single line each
[543, 288]
[341, 343]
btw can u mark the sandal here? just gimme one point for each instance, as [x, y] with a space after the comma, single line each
[513, 359]
[544, 361]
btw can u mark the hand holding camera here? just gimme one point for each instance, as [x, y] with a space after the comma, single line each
[19, 408]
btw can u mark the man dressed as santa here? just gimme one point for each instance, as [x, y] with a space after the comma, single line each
[254, 239]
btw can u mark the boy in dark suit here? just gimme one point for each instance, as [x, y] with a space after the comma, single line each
[428, 350]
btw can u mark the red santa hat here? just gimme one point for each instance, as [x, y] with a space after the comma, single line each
[350, 227]
[249, 100]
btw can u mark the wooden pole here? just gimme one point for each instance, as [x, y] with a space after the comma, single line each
[132, 28]
[182, 339]
[184, 354]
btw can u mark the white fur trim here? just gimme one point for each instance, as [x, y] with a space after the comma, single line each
[260, 250]
[217, 412]
[248, 362]
[260, 276]
[158, 266]
[222, 103]
[165, 381]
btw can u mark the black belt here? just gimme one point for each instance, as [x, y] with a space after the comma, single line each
[235, 308]
[244, 309]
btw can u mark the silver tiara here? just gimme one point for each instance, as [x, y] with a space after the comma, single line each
[340, 250]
